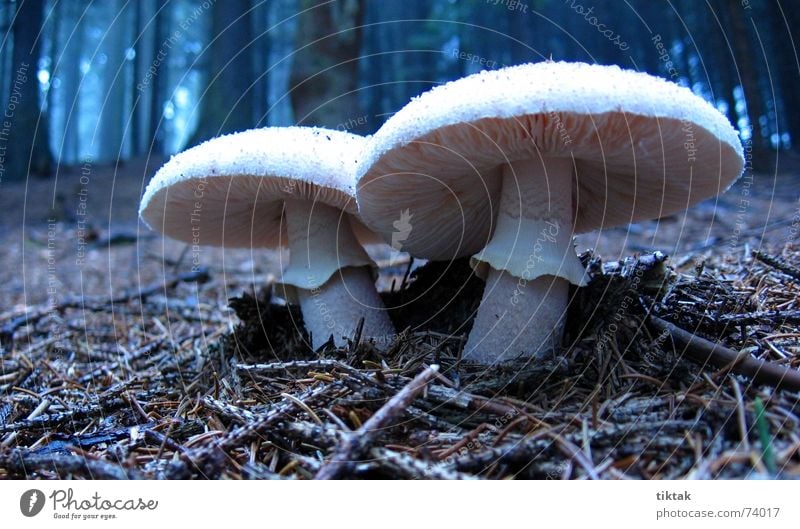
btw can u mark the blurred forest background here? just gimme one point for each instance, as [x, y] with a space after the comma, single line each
[116, 79]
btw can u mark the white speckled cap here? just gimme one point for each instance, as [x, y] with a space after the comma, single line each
[642, 147]
[229, 191]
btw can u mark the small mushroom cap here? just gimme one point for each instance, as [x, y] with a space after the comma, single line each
[229, 191]
[642, 148]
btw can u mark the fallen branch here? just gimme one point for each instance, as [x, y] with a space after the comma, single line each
[627, 267]
[277, 367]
[409, 467]
[778, 264]
[73, 415]
[231, 412]
[475, 403]
[357, 443]
[706, 352]
[23, 463]
[766, 317]
[63, 444]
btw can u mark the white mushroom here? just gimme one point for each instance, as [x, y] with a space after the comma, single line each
[237, 191]
[509, 164]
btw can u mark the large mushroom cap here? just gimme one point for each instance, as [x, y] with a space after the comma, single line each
[230, 190]
[642, 148]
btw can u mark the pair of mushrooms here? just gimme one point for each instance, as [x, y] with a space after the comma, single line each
[280, 187]
[504, 166]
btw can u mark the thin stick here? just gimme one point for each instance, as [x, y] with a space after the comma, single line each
[23, 463]
[779, 264]
[356, 443]
[782, 316]
[575, 453]
[40, 409]
[410, 467]
[703, 351]
[241, 435]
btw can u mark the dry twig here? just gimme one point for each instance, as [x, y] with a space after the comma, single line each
[357, 442]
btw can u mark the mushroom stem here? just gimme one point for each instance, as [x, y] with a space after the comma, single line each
[530, 261]
[505, 331]
[336, 307]
[331, 273]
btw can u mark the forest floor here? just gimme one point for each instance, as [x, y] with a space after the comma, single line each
[124, 355]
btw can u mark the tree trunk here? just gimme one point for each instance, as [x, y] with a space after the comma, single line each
[115, 82]
[785, 21]
[144, 25]
[68, 69]
[157, 80]
[325, 77]
[227, 104]
[723, 61]
[24, 142]
[6, 14]
[280, 59]
[748, 75]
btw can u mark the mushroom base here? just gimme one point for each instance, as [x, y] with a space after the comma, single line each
[517, 318]
[336, 307]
